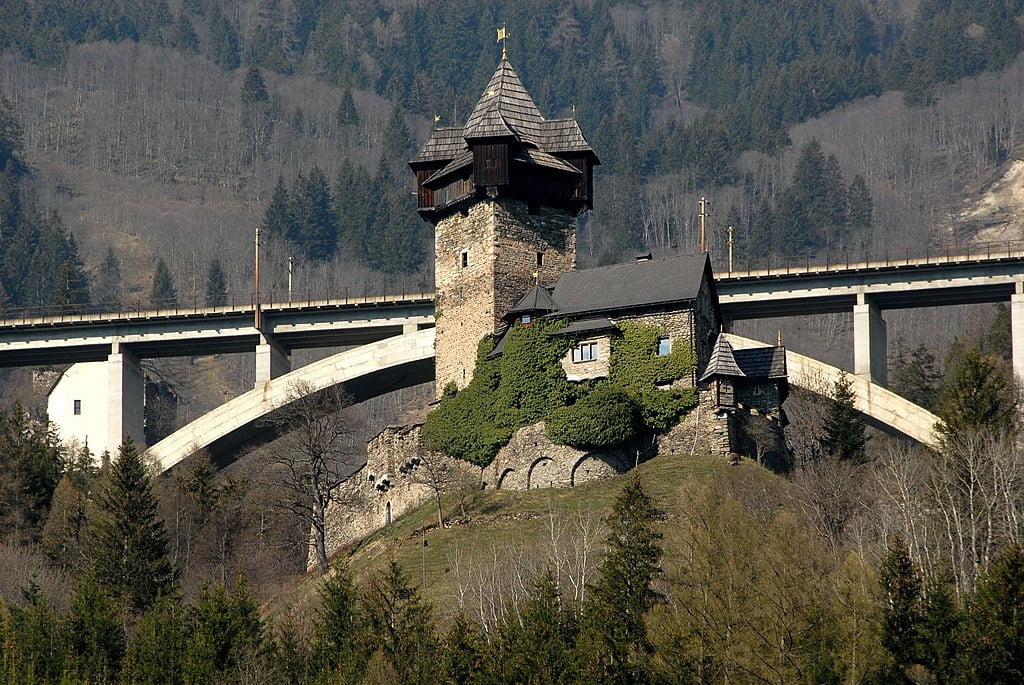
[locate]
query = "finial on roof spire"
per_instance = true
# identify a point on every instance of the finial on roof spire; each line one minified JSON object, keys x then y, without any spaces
{"x":503,"y":39}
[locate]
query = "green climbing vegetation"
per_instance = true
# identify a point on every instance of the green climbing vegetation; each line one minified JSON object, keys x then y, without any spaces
{"x":527,"y":384}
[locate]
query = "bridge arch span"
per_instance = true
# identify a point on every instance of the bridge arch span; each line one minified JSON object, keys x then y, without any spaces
{"x":366,"y":371}
{"x":881,"y":408}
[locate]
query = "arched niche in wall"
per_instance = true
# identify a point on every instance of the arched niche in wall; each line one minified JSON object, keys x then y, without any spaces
{"x":542,"y":474}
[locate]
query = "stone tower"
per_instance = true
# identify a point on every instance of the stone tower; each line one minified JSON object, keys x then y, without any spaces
{"x":503,"y":193}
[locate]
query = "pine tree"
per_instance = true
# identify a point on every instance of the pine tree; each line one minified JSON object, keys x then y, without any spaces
{"x":397,"y":142}
{"x":979,"y":395}
{"x":63,"y":537}
{"x":279,"y":219}
{"x":316,"y":230}
{"x":346,"y":114}
{"x":861,"y":206}
{"x":335,"y":633}
{"x":463,"y":652}
{"x":901,"y":615}
{"x":216,"y":285}
{"x":226,"y":634}
{"x":223,"y":39}
{"x":107,"y":282}
{"x":184,"y":36}
{"x":537,"y":643}
{"x":163,"y":294}
{"x":30,"y":468}
{"x":995,"y":642}
{"x":843,"y":426}
{"x":95,"y":633}
{"x":36,"y":643}
{"x":156,"y":654}
{"x":940,"y":628}
{"x":915,"y":376}
{"x":397,"y":629}
{"x":71,"y":290}
{"x":130,"y":547}
{"x":615,"y":642}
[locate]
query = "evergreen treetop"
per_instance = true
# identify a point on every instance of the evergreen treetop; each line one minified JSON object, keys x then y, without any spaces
{"x":843,"y":428}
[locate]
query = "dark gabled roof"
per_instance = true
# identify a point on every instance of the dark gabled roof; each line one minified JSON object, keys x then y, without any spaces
{"x":460,"y":162}
{"x":506,"y":110}
{"x":444,"y":144}
{"x":538,"y":299}
{"x":630,"y":286}
{"x":762,"y":362}
{"x":722,"y":361}
{"x":545,"y":160}
{"x":586,"y":326}
{"x":754,"y":363}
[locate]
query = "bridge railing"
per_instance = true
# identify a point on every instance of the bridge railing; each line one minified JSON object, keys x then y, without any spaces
{"x":98,"y":311}
{"x":952,"y":253}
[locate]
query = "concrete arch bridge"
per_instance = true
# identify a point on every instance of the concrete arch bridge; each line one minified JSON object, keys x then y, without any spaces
{"x":407,"y":360}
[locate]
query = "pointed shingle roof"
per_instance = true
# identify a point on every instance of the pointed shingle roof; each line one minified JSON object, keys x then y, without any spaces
{"x":722,"y":361}
{"x":538,"y":299}
{"x":506,"y":110}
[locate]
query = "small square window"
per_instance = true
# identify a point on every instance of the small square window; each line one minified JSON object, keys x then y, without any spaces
{"x":525,"y":319}
{"x":664,"y":347}
{"x":464,"y":259}
{"x":540,"y":259}
{"x":78,"y":407}
{"x":585,"y":352}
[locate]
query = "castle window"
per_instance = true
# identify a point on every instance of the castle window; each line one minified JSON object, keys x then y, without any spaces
{"x":664,"y":347}
{"x":585,"y":352}
{"x":78,"y":408}
{"x":540,"y":259}
{"x":525,"y":319}
{"x":464,"y":259}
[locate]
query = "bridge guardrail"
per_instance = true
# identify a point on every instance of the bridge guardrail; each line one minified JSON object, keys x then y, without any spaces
{"x":846,"y":260}
{"x":272,"y":300}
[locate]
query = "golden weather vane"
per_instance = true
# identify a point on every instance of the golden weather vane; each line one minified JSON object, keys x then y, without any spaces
{"x":503,"y":39}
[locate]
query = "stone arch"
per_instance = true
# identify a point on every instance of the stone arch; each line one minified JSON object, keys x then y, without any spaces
{"x":503,"y":479}
{"x":541,"y":474}
{"x":387,"y":513}
{"x":595,"y":466}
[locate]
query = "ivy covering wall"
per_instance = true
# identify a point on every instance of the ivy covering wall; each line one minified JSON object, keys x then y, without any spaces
{"x":527,"y":384}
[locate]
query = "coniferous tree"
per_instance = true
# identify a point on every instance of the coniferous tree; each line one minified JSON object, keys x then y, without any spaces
{"x":36,"y":645}
{"x":223,"y":39}
{"x":979,"y":395}
{"x":157,"y":650}
{"x":463,"y":652}
{"x":279,"y":219}
{"x":316,"y":231}
{"x":915,"y":376}
{"x":995,"y":639}
{"x":537,"y":642}
{"x":861,"y":207}
{"x":335,"y":635}
{"x":95,"y":633}
{"x":940,"y":628}
{"x":843,"y":426}
{"x":107,"y":282}
{"x":346,"y":114}
{"x":615,"y":643}
{"x":30,"y":468}
{"x":63,"y":536}
{"x":226,"y":634}
{"x":257,"y":118}
{"x":130,"y":546}
{"x":353,"y":210}
{"x":397,"y":142}
{"x":183,"y":36}
{"x":901,"y":615}
{"x":397,"y":630}
{"x":71,"y":290}
{"x":216,"y":285}
{"x":163,"y":294}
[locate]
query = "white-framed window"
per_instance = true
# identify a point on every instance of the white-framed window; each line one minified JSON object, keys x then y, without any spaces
{"x":525,"y":319}
{"x":585,"y":352}
{"x":664,"y":347}
{"x":77,"y":407}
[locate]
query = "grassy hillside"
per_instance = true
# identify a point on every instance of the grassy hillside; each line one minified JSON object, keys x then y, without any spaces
{"x":506,"y":538}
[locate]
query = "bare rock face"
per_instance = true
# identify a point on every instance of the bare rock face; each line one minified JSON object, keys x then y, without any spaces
{"x":997,"y":214}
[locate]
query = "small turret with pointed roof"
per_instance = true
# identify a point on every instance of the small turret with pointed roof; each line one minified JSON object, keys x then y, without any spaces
{"x":503,"y":192}
{"x":505,"y":148}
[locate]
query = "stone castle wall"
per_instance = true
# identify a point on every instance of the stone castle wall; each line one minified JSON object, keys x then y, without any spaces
{"x":498,"y":240}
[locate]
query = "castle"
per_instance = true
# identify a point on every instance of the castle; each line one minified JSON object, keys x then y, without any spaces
{"x":503,"y":193}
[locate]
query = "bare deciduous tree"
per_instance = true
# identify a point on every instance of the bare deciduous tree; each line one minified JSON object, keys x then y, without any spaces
{"x":318,"y":451}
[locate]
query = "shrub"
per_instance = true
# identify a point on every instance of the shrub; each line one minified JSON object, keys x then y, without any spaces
{"x":604,"y":418}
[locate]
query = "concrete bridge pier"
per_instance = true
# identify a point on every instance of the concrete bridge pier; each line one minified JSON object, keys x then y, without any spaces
{"x":870,"y":342}
{"x":126,"y":388}
{"x":272,"y":360}
{"x":1017,"y":330}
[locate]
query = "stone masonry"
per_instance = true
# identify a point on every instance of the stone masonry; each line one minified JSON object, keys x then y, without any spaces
{"x":485,"y":258}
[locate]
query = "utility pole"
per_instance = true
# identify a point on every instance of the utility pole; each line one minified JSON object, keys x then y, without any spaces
{"x":703,"y":216}
{"x":729,"y":231}
{"x":256,"y":296}
{"x":289,"y":280}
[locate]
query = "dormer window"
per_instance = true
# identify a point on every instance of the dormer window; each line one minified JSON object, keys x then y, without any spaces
{"x":585,"y":352}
